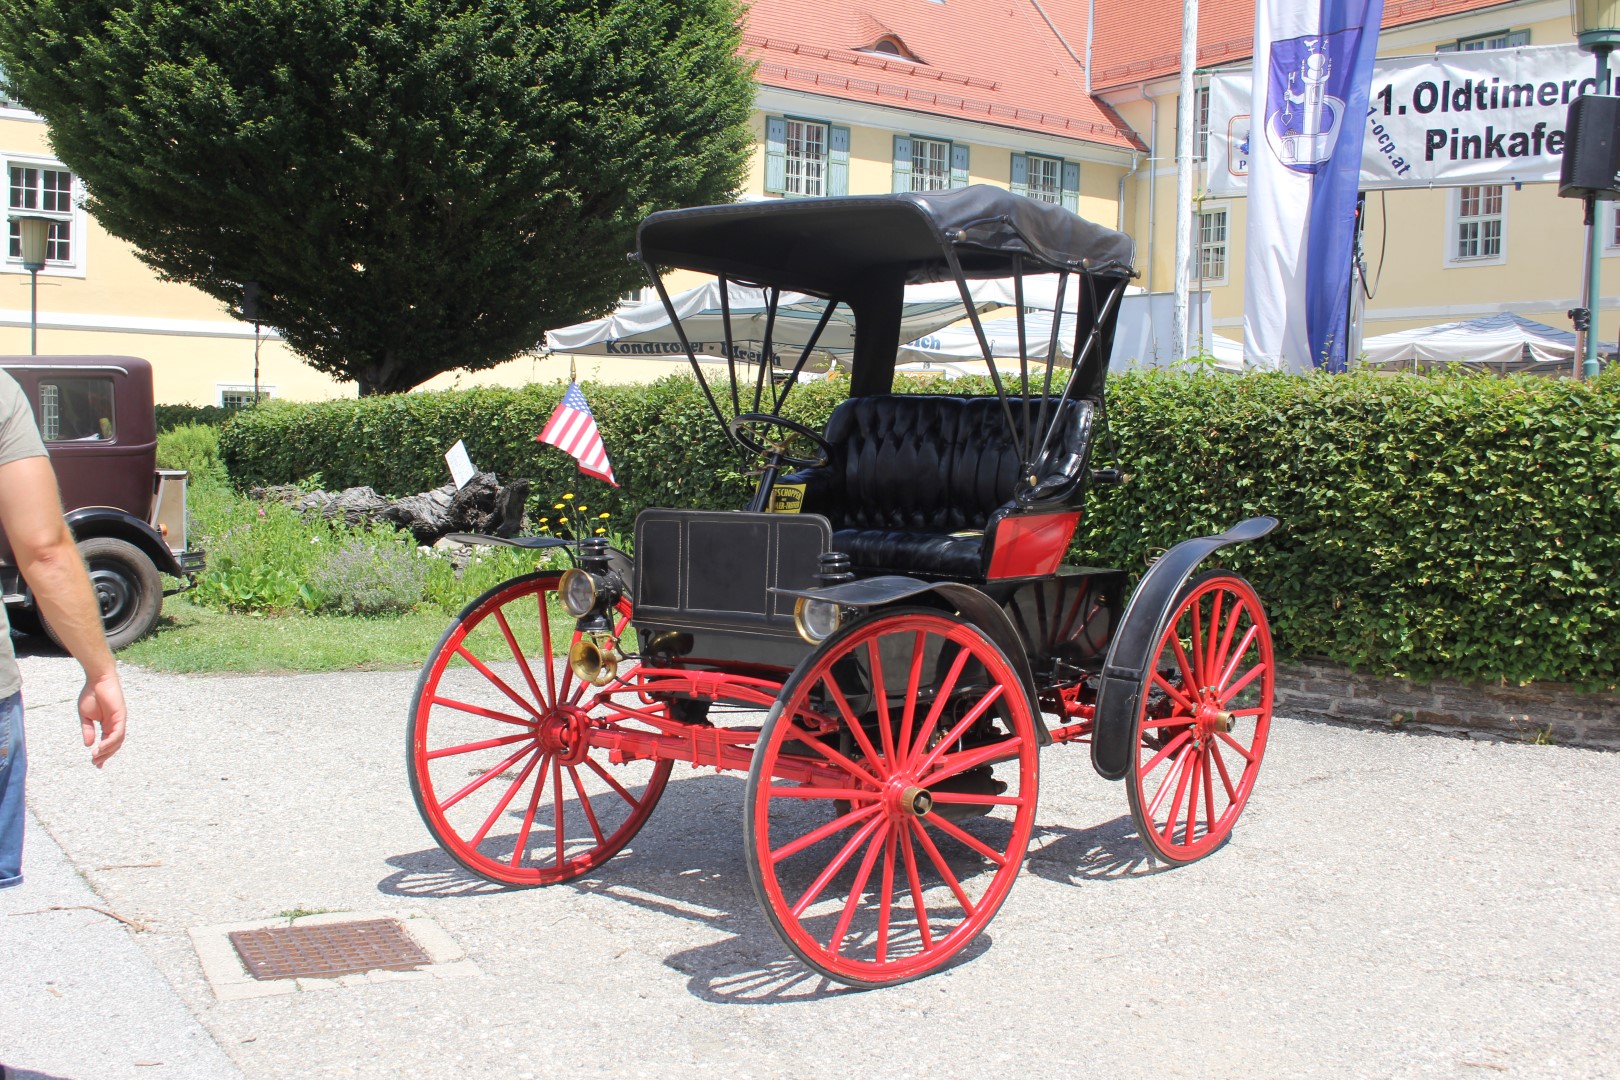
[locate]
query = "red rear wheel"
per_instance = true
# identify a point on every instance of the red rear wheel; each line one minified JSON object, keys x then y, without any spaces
{"x":498,"y":756}
{"x":1206,"y":712}
{"x":891,"y":797}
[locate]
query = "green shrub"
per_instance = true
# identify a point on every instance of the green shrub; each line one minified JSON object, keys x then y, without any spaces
{"x":364,"y":577}
{"x":195,"y":448}
{"x":1433,"y":526}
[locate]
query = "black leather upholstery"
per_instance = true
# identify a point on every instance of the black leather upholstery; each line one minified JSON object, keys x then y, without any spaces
{"x":909,"y":470}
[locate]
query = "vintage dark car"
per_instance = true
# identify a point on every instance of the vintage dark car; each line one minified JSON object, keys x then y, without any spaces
{"x":128,"y":516}
{"x":886,"y":650}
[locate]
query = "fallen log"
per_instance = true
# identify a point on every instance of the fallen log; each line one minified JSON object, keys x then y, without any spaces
{"x":483,"y":505}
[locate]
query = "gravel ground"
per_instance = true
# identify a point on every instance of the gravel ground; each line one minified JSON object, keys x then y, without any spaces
{"x":1390,"y":905}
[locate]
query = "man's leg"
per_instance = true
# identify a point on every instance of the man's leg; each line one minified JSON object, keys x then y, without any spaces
{"x":13,"y":767}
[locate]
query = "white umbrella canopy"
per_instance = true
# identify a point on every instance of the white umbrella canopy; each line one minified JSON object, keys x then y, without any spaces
{"x":1133,"y":337}
{"x":1500,"y":343}
{"x":644,"y":330}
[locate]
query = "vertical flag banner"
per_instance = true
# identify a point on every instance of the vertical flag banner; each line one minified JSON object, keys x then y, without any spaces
{"x":1312,"y":69}
{"x":572,"y":429}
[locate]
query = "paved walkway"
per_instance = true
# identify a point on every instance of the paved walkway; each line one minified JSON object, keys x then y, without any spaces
{"x":1391,"y":905}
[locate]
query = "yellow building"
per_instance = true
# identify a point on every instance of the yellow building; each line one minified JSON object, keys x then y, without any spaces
{"x":1074,"y":101}
{"x":1448,"y":253}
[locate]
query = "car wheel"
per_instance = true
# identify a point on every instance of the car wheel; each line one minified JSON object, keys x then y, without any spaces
{"x":127,"y":587}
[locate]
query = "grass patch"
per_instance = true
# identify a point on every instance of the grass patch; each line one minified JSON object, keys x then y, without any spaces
{"x":196,"y":640}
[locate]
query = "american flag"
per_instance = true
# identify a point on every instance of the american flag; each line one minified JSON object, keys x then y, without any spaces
{"x":572,"y":429}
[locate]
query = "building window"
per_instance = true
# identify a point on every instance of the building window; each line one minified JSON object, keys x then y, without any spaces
{"x":1045,"y":179}
{"x":930,"y":165}
{"x":1500,"y":39}
{"x":6,"y":100}
{"x":240,"y":397}
{"x":1201,"y":131}
{"x":1212,"y":231}
{"x":923,"y":164}
{"x":1048,"y":179}
{"x":1478,"y":228}
{"x":805,"y":158}
{"x":42,"y":190}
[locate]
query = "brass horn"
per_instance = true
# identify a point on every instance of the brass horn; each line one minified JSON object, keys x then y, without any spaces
{"x":593,"y":662}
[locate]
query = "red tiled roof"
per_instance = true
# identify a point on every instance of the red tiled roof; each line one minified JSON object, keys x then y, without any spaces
{"x":1141,"y":39}
{"x":990,"y":61}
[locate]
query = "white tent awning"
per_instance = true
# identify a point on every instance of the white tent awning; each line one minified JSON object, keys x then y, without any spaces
{"x":1503,"y":342}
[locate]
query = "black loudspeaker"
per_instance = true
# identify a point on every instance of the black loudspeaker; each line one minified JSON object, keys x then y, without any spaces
{"x":1591,"y":164}
{"x":251,"y":294}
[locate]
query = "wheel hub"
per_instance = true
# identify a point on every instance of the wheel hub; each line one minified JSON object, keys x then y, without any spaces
{"x":565,"y":732}
{"x":1211,"y":715}
{"x":916,"y":801}
{"x":112,"y":593}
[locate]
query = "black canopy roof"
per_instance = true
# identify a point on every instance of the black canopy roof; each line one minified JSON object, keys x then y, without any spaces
{"x":824,"y":245}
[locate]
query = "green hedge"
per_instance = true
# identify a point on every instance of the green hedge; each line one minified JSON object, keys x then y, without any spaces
{"x":170,"y":417}
{"x":1432,"y":526}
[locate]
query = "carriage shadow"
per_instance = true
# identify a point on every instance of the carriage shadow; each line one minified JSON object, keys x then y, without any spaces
{"x":1110,"y":851}
{"x":673,"y":868}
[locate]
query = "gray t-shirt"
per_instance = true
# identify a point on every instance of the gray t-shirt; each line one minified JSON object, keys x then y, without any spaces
{"x":19,"y":438}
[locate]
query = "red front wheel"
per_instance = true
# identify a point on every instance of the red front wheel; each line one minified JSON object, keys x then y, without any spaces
{"x":499,"y":758}
{"x":1206,"y":711}
{"x":891,"y":797}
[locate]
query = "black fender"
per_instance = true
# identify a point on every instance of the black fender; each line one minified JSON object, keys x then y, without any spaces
{"x":970,"y":603}
{"x":1119,"y":694}
{"x":91,"y":521}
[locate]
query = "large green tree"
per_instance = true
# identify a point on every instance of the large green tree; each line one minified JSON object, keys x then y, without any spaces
{"x":417,"y":186}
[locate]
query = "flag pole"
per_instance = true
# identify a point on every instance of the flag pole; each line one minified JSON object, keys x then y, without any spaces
{"x":1187,"y":121}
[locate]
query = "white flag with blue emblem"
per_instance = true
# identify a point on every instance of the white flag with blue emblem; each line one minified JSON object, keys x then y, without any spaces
{"x":1312,"y":69}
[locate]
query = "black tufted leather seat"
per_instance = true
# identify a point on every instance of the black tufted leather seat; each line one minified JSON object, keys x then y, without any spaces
{"x":908,"y":471}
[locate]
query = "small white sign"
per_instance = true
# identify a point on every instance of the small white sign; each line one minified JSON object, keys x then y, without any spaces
{"x":461,"y":466}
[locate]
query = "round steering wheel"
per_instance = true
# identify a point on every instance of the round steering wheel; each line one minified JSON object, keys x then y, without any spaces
{"x":741,"y":429}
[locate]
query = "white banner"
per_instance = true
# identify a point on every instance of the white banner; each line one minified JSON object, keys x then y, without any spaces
{"x":1317,"y":60}
{"x":1491,"y":116}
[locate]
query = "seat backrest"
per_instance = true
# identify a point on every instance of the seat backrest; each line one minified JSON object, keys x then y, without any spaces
{"x":924,"y":462}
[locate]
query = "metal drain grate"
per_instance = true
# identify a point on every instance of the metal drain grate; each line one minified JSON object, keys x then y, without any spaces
{"x":325,"y":952}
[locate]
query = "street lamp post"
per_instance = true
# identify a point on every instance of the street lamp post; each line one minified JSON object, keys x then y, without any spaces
{"x":34,"y":231}
{"x":1597,"y":28}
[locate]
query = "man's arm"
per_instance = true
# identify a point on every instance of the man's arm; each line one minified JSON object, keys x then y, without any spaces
{"x":31,"y":514}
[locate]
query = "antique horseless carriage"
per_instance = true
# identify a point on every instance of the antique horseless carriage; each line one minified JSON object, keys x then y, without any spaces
{"x":893,"y":604}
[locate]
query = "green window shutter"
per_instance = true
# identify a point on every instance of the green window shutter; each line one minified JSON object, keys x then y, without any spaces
{"x":1517,"y":38}
{"x":837,"y":161}
{"x":1071,"y":186}
{"x":775,"y":155}
{"x":902,"y":163}
{"x":959,"y":165}
{"x":1020,"y":175}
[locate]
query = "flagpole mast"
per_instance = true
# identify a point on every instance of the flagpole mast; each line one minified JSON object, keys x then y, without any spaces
{"x":1187,"y":120}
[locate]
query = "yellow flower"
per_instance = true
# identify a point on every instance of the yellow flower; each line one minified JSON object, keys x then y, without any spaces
{"x":603,"y":517}
{"x":601,"y":532}
{"x":570,"y":495}
{"x":559,"y":506}
{"x":584,"y":509}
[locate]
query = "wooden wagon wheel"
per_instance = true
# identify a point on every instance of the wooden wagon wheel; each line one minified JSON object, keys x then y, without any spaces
{"x":499,"y":764}
{"x":1205,"y":715}
{"x":907,"y":843}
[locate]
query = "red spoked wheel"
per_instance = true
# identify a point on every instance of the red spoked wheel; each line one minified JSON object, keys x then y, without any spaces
{"x":891,"y":797}
{"x":498,"y":755}
{"x":1206,"y":711}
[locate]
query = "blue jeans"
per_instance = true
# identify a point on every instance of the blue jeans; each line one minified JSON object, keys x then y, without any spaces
{"x":13,"y":767}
